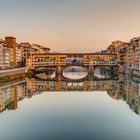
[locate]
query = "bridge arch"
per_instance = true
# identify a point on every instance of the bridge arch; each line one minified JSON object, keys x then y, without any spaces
{"x":45,"y":73}
{"x":74,"y":72}
{"x":105,"y":71}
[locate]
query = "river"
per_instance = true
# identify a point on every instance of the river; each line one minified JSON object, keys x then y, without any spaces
{"x":34,"y":109}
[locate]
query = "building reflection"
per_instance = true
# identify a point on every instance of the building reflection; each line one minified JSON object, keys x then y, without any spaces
{"x":129,"y":92}
{"x":125,"y":90}
{"x":10,"y":95}
{"x":38,"y":85}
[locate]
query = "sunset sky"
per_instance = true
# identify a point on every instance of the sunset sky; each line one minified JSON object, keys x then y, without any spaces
{"x":70,"y":25}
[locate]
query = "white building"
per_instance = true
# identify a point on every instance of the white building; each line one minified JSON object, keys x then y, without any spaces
{"x":128,"y":56}
{"x":18,"y":55}
{"x":4,"y":55}
{"x":135,"y":54}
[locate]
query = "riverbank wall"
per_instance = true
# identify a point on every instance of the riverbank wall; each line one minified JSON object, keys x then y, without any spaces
{"x":12,"y":74}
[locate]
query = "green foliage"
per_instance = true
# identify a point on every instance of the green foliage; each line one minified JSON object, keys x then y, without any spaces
{"x":40,"y":70}
{"x":6,"y":78}
{"x":105,"y":70}
{"x":30,"y":73}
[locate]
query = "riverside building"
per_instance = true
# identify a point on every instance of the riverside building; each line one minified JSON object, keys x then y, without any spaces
{"x":29,"y":49}
{"x":4,"y":55}
{"x":128,"y":56}
{"x":13,"y":55}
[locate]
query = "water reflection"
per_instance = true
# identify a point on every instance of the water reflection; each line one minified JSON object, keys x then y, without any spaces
{"x":75,"y":72}
{"x":103,"y":72}
{"x":12,"y":93}
{"x":45,"y":76}
{"x":67,"y":109}
{"x":75,"y":75}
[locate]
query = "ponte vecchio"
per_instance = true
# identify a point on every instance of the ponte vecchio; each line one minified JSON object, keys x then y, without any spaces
{"x":59,"y":61}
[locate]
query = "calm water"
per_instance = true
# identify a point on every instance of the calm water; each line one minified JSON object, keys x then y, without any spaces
{"x":32,"y":109}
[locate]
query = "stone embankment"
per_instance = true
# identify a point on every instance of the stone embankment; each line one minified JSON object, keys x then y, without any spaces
{"x":12,"y":74}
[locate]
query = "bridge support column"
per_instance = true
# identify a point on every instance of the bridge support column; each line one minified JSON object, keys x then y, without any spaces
{"x":90,"y":77}
{"x":59,"y":73}
{"x":58,"y":77}
{"x":59,"y":70}
{"x":121,"y":69}
{"x":90,"y":69}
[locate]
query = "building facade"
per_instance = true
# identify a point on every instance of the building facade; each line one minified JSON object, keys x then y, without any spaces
{"x":29,"y":49}
{"x":114,"y":46}
{"x":4,"y":55}
{"x":13,"y":55}
{"x":134,"y":54}
{"x":11,"y":44}
{"x":128,"y":56}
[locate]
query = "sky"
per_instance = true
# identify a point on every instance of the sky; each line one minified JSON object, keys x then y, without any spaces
{"x":70,"y":25}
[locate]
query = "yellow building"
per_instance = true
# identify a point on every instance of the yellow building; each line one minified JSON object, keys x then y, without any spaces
{"x":113,"y":47}
{"x":29,"y":49}
{"x":100,"y":59}
{"x":40,"y":60}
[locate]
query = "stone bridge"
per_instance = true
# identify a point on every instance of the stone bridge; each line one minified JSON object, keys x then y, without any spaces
{"x":59,"y":61}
